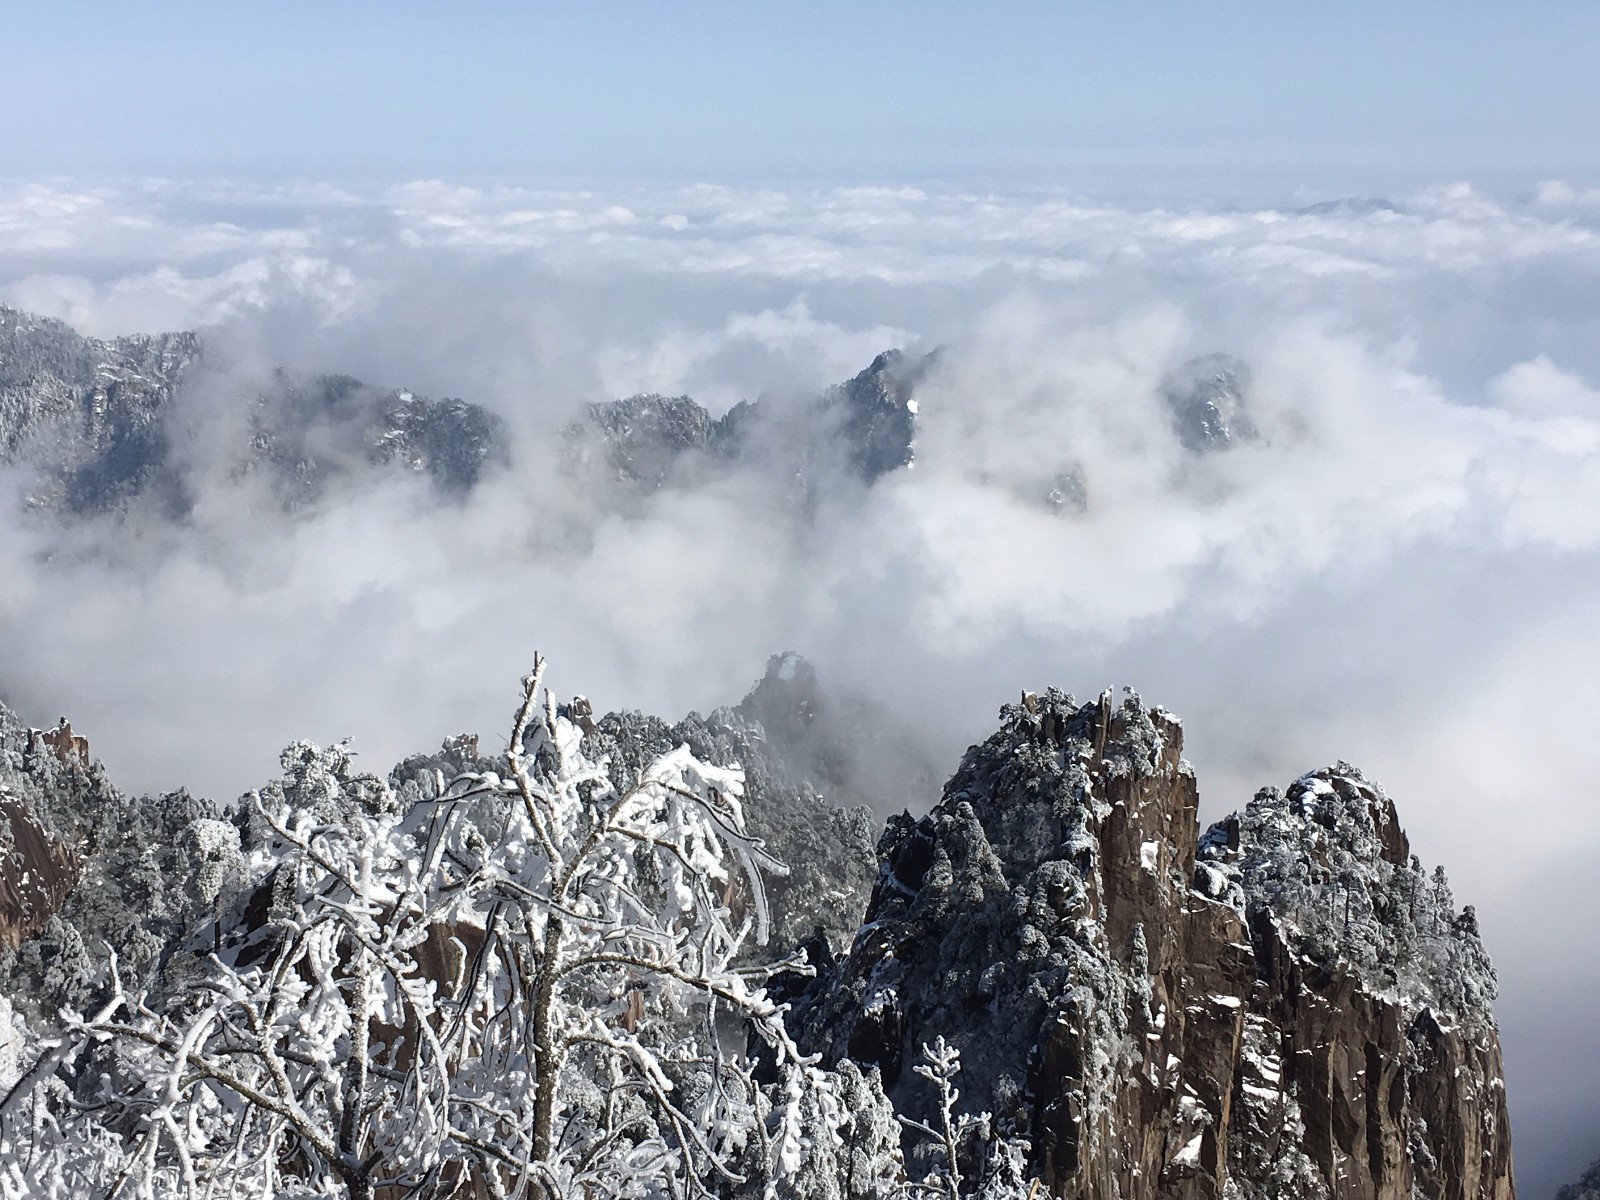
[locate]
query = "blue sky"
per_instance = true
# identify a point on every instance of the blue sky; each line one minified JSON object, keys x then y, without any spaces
{"x":1355,"y":96}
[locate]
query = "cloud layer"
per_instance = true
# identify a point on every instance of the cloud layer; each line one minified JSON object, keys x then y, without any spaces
{"x":1402,"y":571}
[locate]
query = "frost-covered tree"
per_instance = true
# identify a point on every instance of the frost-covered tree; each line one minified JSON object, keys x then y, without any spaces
{"x":526,"y":983}
{"x":942,"y":1065}
{"x":1000,"y":1164}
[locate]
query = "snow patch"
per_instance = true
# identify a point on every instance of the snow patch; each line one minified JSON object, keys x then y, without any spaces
{"x":1189,"y":1156}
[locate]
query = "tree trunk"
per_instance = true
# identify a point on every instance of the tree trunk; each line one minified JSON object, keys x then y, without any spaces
{"x":546,"y":1054}
{"x":358,"y":1184}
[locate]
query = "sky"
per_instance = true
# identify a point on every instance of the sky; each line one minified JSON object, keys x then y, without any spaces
{"x":1390,"y":213}
{"x":1139,"y":95}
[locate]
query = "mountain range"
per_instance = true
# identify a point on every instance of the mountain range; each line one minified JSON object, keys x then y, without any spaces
{"x":95,"y":426}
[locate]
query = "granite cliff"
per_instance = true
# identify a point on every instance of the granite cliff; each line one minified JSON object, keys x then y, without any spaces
{"x":1286,"y":1006}
{"x":89,"y":415}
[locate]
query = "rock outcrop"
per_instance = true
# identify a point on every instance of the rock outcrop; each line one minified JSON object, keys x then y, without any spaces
{"x":860,"y":431}
{"x":856,"y":750}
{"x":637,"y":442}
{"x":875,"y":414}
{"x":85,"y":867}
{"x":310,"y":434}
{"x":1285,"y":1007}
{"x":1373,"y":996}
{"x":825,"y":841}
{"x":36,"y":873}
{"x":1206,"y":397}
{"x":97,"y":423}
{"x":89,"y":414}
{"x":1288,"y":1007}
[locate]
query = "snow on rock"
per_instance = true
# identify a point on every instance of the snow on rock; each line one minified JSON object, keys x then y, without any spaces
{"x":826,"y":845}
{"x":1206,"y":397}
{"x":89,"y":414}
{"x":1016,"y":920}
{"x":101,"y":869}
{"x":1377,"y":987}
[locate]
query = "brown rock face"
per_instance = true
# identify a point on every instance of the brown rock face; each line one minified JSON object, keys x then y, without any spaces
{"x":1161,"y":1124}
{"x":35,"y":875}
{"x":1377,"y":1100}
{"x":1286,"y":1007}
{"x":1371,"y":1005}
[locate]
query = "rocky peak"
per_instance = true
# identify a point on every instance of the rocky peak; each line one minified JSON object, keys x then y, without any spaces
{"x":826,"y":845}
{"x":639,"y":439}
{"x":1206,"y":397}
{"x":1326,"y":867}
{"x":94,"y":424}
{"x":816,"y":762}
{"x":1143,"y":1012}
{"x":1287,"y":1006}
{"x":96,"y":420}
{"x":876,"y":414}
{"x":859,"y":430}
{"x":1038,"y":918}
{"x":311,"y":433}
{"x":88,"y":413}
{"x":851,"y":747}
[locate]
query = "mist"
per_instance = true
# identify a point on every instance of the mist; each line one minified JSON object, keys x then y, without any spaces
{"x":1402,"y":571}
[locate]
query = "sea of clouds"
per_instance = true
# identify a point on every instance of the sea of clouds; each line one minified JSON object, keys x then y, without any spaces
{"x":1404,"y":571}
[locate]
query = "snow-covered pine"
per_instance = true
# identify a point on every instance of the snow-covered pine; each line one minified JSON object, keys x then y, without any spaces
{"x":526,"y":984}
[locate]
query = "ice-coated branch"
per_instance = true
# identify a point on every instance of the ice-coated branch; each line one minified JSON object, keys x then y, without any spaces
{"x":518,"y":988}
{"x":940,"y":1066}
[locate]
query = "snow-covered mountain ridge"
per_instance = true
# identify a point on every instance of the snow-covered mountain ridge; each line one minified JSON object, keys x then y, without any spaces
{"x":1285,"y":1005}
{"x":92,"y":426}
{"x":89,"y":414}
{"x":99,"y":426}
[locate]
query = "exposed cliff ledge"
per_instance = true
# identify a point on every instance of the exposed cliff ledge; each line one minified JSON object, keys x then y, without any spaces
{"x":1288,"y":1007}
{"x":87,"y":867}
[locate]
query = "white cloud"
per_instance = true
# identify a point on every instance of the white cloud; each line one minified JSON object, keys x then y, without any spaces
{"x":1557,"y":194}
{"x":1540,"y":388}
{"x":788,"y":343}
{"x":1400,"y":572}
